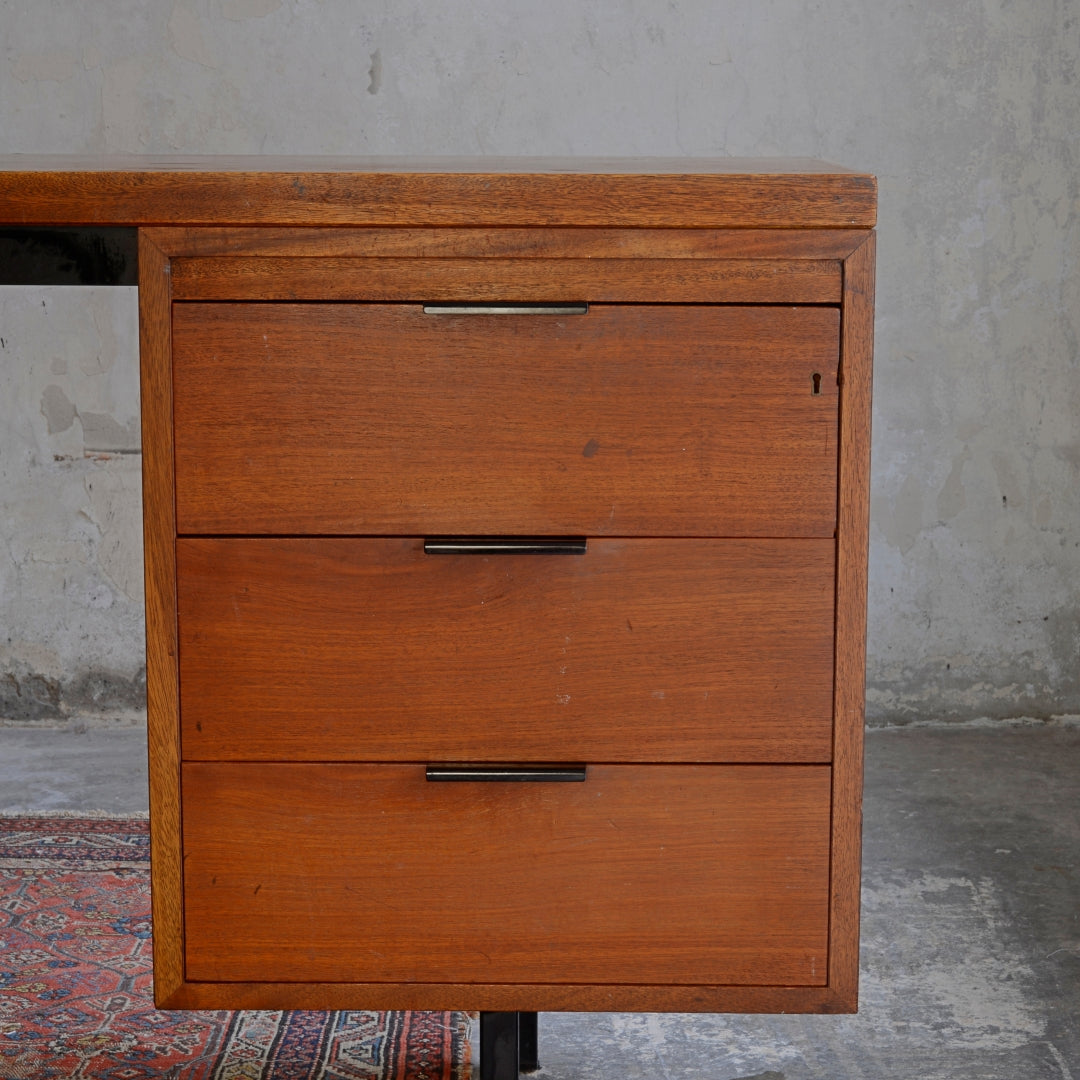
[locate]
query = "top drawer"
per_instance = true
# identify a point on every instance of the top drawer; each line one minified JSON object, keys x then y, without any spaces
{"x":632,"y":419}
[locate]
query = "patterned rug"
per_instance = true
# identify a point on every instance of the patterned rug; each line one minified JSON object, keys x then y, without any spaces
{"x":75,"y":983}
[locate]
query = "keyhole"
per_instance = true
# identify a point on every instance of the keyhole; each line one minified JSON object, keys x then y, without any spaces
{"x":816,"y":377}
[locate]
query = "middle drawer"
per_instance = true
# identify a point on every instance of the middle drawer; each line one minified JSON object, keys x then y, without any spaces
{"x":324,"y":649}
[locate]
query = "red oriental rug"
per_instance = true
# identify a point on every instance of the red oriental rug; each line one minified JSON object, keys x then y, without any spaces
{"x":75,"y":983}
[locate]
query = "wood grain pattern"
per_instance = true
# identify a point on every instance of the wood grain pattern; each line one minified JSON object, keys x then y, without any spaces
{"x":639,"y":650}
{"x":852,"y":556}
{"x":159,"y":530}
{"x":506,"y":242}
{"x":653,"y":420}
{"x":526,"y":230}
{"x":688,"y":281}
{"x":676,"y":874}
{"x":507,"y":997}
{"x":480,"y":191}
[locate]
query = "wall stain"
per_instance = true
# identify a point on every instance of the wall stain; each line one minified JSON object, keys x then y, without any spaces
{"x":58,"y":411}
{"x":45,"y":67}
{"x":32,"y":696}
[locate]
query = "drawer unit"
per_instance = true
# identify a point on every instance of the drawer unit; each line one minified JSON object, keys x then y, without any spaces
{"x":506,"y":599}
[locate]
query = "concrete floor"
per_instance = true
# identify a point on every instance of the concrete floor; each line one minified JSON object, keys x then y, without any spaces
{"x":971,"y":917}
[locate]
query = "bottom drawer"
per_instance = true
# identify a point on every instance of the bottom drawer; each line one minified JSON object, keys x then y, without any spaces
{"x":657,"y":874}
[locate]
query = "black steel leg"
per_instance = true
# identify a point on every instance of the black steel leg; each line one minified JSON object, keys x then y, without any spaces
{"x":499,"y":1046}
{"x":528,"y":1042}
{"x":508,"y":1045}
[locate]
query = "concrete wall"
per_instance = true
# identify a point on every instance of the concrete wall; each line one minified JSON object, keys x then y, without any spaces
{"x":968,"y":111}
{"x":71,"y":623}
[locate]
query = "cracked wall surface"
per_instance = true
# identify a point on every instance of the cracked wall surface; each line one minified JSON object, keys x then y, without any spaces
{"x":968,"y":112}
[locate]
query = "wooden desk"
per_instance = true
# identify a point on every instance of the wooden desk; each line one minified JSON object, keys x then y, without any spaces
{"x":506,"y":540}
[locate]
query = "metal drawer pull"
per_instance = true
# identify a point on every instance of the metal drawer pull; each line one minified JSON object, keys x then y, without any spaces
{"x":506,"y":309}
{"x":505,"y":545}
{"x":507,"y":774}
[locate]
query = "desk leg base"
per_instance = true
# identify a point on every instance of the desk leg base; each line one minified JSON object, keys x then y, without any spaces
{"x":528,"y":1042}
{"x":508,"y":1045}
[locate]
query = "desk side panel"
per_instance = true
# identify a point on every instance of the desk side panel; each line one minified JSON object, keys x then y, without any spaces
{"x":162,"y":695}
{"x":853,"y":515}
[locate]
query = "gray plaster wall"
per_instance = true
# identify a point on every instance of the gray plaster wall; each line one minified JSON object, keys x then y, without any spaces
{"x":71,"y":589}
{"x":968,"y":111}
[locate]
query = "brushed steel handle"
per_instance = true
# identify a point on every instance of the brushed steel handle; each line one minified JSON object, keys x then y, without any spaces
{"x":505,"y":545}
{"x":506,"y":309}
{"x":507,"y":774}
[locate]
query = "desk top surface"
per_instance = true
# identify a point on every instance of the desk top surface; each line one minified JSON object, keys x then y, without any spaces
{"x":598,"y":192}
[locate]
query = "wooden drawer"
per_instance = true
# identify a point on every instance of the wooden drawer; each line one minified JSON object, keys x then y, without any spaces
{"x":638,"y":650}
{"x":637,"y":419}
{"x":659,"y":874}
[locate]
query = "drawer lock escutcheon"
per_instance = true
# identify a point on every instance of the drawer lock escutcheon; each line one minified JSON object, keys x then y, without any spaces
{"x":507,"y":774}
{"x":503,"y":545}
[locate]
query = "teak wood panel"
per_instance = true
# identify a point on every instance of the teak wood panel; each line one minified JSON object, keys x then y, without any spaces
{"x":509,"y":997}
{"x":162,"y":702}
{"x":675,"y":874}
{"x":638,"y":650}
{"x":504,"y":243}
{"x":495,"y":280}
{"x":276,"y":191}
{"x":853,"y":528}
{"x":632,"y":419}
